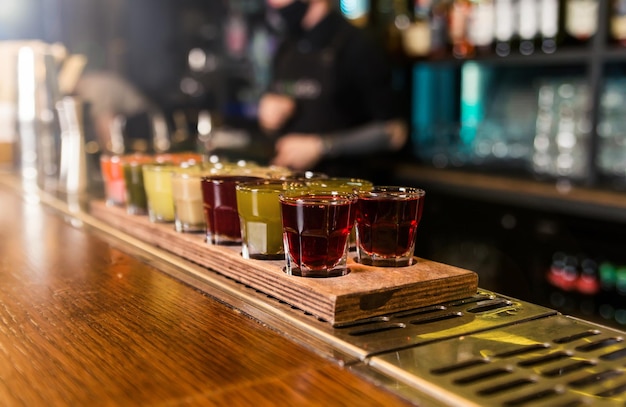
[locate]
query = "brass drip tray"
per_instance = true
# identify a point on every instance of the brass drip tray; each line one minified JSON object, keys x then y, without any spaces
{"x":483,"y":311}
{"x":551,"y":361}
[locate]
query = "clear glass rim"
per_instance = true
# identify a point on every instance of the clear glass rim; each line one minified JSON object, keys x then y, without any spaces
{"x":271,"y":186}
{"x":341,"y":181}
{"x":318,"y":198}
{"x":393,"y":191}
{"x":221,"y":178}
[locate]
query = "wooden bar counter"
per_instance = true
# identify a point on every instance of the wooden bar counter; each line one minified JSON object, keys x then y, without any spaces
{"x":85,"y":323}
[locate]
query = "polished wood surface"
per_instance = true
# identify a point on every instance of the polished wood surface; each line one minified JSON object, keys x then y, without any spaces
{"x":365,"y":292}
{"x":84,"y":323}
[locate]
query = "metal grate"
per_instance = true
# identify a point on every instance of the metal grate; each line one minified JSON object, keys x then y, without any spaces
{"x":484,"y":311}
{"x":552,"y":361}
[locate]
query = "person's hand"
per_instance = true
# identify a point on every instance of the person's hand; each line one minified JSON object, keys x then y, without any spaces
{"x":298,"y":151}
{"x":274,"y":111}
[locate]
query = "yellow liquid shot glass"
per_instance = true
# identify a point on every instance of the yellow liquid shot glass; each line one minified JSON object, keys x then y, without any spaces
{"x":157,"y":180}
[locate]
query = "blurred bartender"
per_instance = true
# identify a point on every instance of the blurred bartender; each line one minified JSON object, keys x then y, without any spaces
{"x":330,"y":101}
{"x":113,"y":98}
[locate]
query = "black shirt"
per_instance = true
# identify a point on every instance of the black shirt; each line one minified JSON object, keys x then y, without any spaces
{"x":338,"y":75}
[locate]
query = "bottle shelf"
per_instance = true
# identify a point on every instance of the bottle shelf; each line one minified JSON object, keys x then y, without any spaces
{"x":556,"y":196}
{"x":570,"y":55}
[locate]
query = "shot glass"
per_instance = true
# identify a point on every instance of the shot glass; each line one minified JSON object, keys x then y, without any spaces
{"x":305,"y":175}
{"x":258,"y":206}
{"x":136,"y":200}
{"x":240,"y":168}
{"x":387,"y":218}
{"x":219,"y":200}
{"x":187,"y":197}
{"x":157,"y":180}
{"x":158,"y":185}
{"x":276,"y":172}
{"x":349,"y":185}
{"x":113,"y":177}
{"x":316,"y":230}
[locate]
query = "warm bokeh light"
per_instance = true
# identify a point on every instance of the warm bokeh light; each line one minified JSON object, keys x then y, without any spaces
{"x":18,"y":19}
{"x":10,"y":9}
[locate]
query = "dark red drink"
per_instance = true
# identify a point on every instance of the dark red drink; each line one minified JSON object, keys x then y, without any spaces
{"x":386,"y":224}
{"x":316,"y":228}
{"x":219,"y":196}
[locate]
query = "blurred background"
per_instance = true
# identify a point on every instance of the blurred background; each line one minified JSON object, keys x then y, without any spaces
{"x":516,"y":110}
{"x":148,"y":42}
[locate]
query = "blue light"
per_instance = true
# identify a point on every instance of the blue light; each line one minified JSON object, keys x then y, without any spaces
{"x":353,"y":9}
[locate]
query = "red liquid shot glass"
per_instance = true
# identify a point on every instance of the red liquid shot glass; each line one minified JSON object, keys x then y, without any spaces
{"x":316,"y":230}
{"x":113,"y":176}
{"x":219,"y":199}
{"x":387,"y":218}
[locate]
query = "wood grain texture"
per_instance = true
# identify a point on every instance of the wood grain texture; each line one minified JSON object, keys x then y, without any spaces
{"x":365,"y":292}
{"x":84,"y":324}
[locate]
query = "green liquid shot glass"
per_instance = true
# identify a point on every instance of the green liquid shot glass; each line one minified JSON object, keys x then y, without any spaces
{"x":134,"y":191}
{"x":259,"y":211}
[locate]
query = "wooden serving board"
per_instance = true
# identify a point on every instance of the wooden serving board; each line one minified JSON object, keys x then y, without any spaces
{"x":365,"y":292}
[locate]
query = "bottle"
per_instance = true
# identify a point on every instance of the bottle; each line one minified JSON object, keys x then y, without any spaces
{"x":570,"y":278}
{"x":581,"y":19}
{"x":236,"y":35}
{"x":205,"y":133}
{"x":554,"y":278}
{"x":504,"y":26}
{"x":587,"y":286}
{"x":397,"y":25}
{"x":607,"y":295}
{"x":620,"y":301}
{"x":416,"y":36}
{"x":438,"y":28}
{"x":562,"y":276}
{"x":382,"y":24}
{"x":549,"y":25}
{"x":481,"y":25}
{"x":416,"y":39}
{"x":458,"y":18}
{"x":378,"y":20}
{"x":527,"y":25}
{"x":618,"y":22}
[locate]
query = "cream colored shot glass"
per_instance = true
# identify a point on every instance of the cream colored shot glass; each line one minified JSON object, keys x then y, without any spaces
{"x":188,"y":206}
